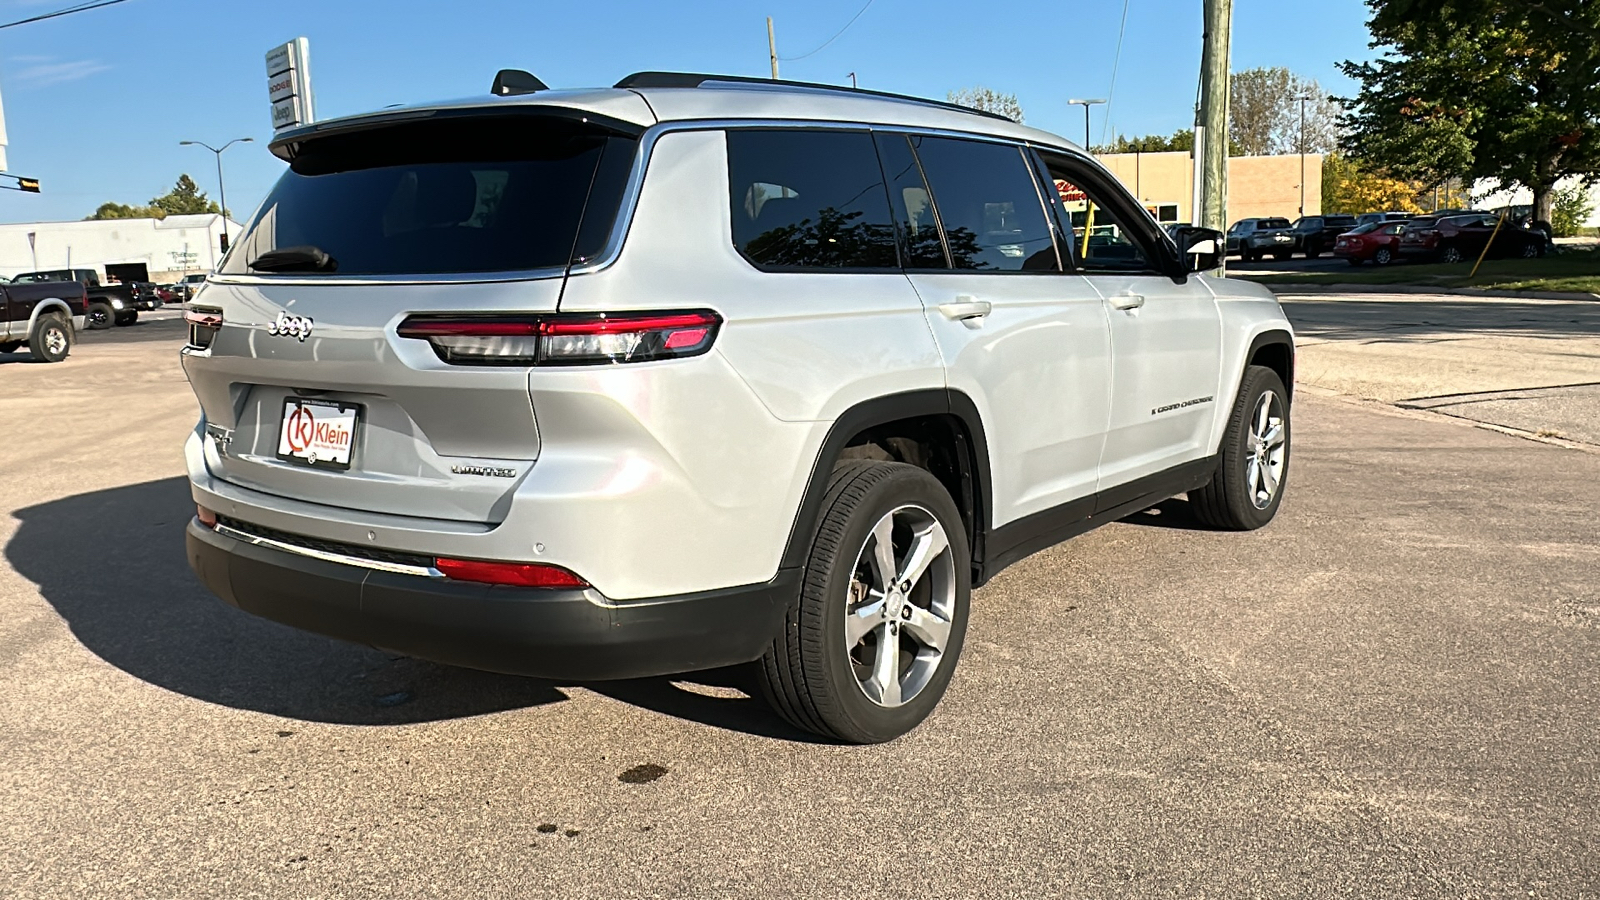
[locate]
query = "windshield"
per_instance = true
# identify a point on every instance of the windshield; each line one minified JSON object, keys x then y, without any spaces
{"x":1273,"y":223}
{"x":438,"y":197}
{"x":1364,"y":228}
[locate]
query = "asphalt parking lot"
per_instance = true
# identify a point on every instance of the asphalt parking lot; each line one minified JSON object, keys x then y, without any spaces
{"x":1391,"y":691}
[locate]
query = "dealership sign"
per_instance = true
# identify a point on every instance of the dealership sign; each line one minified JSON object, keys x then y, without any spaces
{"x":289,"y":84}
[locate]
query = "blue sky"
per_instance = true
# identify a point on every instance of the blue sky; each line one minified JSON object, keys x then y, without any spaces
{"x":96,"y":103}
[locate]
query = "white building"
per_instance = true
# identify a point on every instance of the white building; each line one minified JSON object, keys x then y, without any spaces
{"x":1486,"y":197}
{"x":159,"y":250}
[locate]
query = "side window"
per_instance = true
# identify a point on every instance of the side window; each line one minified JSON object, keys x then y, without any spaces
{"x":1100,"y":240}
{"x":809,"y":200}
{"x":988,"y":201}
{"x":913,"y":205}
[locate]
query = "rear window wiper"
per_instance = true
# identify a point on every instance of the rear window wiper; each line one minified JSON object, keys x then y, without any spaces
{"x":295,"y":259}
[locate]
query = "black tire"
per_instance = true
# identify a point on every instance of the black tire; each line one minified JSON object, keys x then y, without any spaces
{"x":1353,"y":261}
{"x":810,"y":675}
{"x":1450,"y":254}
{"x":1230,"y":501}
{"x":1383,"y":257}
{"x":51,"y":340}
{"x":101,"y":316}
{"x":127,"y":317}
{"x":1313,"y":251}
{"x":1281,"y":256}
{"x":1248,"y":256}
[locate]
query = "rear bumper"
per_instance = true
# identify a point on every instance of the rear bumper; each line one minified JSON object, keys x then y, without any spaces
{"x":566,"y":634}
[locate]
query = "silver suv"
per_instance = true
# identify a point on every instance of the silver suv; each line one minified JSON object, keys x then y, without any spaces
{"x":696,"y":371}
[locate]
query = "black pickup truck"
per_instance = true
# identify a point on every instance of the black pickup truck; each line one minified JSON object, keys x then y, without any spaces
{"x":1316,"y":235}
{"x":44,"y":317}
{"x":109,"y":304}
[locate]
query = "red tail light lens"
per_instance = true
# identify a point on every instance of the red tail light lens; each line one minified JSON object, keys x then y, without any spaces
{"x":517,"y":574}
{"x":565,"y":340}
{"x":203,"y":326}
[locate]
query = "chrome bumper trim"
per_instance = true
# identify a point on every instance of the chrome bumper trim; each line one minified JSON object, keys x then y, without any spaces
{"x":325,"y":556}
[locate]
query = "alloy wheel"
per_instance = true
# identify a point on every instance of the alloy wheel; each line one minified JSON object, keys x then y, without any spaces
{"x":55,"y":341}
{"x":1267,"y":446}
{"x":901,"y":606}
{"x":1383,"y":256}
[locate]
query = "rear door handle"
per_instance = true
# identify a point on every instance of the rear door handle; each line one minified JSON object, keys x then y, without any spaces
{"x":965,"y":308}
{"x":1127,"y":300}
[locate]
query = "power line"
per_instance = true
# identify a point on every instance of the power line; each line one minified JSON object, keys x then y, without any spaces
{"x":80,"y":7}
{"x":1116,"y":61}
{"x":829,"y":40}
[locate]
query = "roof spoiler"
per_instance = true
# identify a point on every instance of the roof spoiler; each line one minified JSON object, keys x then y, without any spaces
{"x":510,"y":82}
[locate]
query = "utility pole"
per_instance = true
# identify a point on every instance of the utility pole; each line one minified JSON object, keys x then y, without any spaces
{"x":1211,"y":120}
{"x":222,"y":191}
{"x":772,"y":49}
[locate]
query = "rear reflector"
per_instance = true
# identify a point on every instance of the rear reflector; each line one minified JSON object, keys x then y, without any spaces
{"x":518,"y":574}
{"x":565,"y":340}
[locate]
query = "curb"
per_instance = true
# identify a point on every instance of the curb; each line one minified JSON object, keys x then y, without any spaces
{"x":1279,"y":288}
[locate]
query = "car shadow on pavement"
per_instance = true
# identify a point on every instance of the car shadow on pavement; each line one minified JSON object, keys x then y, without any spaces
{"x":113,"y":565}
{"x":1173,"y":513}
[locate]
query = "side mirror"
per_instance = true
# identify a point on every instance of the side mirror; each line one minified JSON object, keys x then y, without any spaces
{"x":1201,"y":248}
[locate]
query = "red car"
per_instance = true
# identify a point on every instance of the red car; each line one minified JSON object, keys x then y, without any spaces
{"x":1377,"y":241}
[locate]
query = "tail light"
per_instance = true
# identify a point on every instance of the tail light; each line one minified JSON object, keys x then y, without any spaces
{"x":565,"y":340}
{"x":203,"y":326}
{"x":517,"y":574}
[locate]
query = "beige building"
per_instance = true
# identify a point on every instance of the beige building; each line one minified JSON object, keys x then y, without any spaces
{"x":1257,"y":185}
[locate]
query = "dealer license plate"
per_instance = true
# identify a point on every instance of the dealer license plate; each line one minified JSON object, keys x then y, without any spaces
{"x":318,"y":433}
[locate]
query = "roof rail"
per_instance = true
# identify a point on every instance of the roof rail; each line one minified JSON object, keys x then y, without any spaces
{"x":694,"y":80}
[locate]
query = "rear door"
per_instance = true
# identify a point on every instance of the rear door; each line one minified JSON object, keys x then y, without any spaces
{"x":476,"y":215}
{"x":1166,"y":336}
{"x":1025,"y":341}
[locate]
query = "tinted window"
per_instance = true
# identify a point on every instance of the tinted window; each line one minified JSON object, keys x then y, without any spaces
{"x":809,"y":200}
{"x":988,"y":202}
{"x":1273,"y":223}
{"x":1365,"y":228}
{"x":913,"y":209}
{"x":1341,"y":221}
{"x":1100,"y":239}
{"x":474,"y":195}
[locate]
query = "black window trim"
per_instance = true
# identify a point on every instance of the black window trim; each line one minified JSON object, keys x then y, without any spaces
{"x":1160,"y":253}
{"x":933,"y":203}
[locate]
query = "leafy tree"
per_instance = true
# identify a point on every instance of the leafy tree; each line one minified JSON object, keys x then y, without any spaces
{"x":1264,"y":113}
{"x":185,"y":199}
{"x":1181,"y":140}
{"x":1348,"y":187}
{"x":989,"y":101}
{"x":1481,"y":89}
{"x":124,"y":211}
{"x":1570,"y":208}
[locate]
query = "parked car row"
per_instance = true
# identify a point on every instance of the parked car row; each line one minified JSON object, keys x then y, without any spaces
{"x":115,"y":302}
{"x":1449,"y":236}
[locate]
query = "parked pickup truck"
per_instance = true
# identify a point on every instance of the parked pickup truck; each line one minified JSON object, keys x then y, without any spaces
{"x":109,"y":304}
{"x":44,"y":317}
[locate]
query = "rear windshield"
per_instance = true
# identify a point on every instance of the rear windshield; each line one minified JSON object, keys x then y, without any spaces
{"x":1273,"y":223}
{"x":1339,"y":221}
{"x":447,"y":196}
{"x":1364,"y":229}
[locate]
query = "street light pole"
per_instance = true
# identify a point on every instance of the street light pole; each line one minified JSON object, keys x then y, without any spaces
{"x":222,"y":190}
{"x":1085,"y":104}
{"x":1303,"y":98}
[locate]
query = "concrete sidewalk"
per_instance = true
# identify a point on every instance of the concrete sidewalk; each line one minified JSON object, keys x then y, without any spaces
{"x":1524,"y":364}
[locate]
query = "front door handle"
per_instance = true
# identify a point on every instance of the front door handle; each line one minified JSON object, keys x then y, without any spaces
{"x":1127,"y":300}
{"x":966,"y":308}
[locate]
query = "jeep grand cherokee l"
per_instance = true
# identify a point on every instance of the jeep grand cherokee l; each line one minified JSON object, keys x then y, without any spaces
{"x":692,"y":372}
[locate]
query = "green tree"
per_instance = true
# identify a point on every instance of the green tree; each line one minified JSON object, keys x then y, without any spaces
{"x":1481,"y":89}
{"x":123,"y":211}
{"x":1181,"y":140}
{"x":1570,"y":208}
{"x":185,"y":199}
{"x":989,"y":101}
